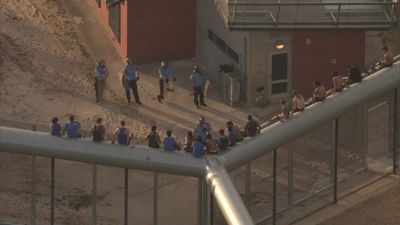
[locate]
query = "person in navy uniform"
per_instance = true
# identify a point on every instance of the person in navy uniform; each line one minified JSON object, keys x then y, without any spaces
{"x":100,"y":78}
{"x":165,"y":73}
{"x":198,"y":82}
{"x":129,"y":80}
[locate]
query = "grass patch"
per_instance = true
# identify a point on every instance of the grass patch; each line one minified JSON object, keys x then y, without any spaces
{"x":84,"y":201}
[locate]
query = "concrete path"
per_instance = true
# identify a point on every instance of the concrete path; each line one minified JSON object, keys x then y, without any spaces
{"x":376,"y":204}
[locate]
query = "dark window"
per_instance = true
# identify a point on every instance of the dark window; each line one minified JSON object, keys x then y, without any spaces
{"x":210,"y":35}
{"x":220,"y":43}
{"x":279,"y":88}
{"x":98,"y":3}
{"x":279,"y":67}
{"x":231,"y":53}
{"x":114,"y":20}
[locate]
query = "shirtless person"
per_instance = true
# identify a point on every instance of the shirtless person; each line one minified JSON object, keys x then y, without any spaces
{"x":284,"y":115}
{"x":386,"y":60}
{"x":298,"y":102}
{"x":319,"y":93}
{"x":338,"y":83}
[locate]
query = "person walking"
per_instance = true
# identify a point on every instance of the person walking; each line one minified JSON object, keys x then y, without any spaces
{"x":165,"y":73}
{"x":198,"y":82}
{"x":130,"y":79}
{"x":100,"y":79}
{"x":98,"y":131}
{"x":122,"y":134}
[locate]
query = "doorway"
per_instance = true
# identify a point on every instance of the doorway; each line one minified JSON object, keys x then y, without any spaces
{"x":114,"y":20}
{"x":279,"y":75}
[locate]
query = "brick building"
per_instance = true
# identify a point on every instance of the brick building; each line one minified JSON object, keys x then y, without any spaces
{"x":271,"y":47}
{"x":149,"y":30}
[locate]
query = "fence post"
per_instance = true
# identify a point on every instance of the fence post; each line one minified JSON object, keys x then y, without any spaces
{"x":395,"y":133}
{"x":274,"y":172}
{"x":248,"y":186}
{"x":33,"y":192}
{"x":94,"y":194}
{"x":199,"y":201}
{"x":290,"y":177}
{"x":335,"y":160}
{"x":155,"y":199}
{"x":126,"y":198}
{"x":52,"y":200}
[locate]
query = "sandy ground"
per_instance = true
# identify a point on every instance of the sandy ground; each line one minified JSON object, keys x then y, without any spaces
{"x":41,"y":79}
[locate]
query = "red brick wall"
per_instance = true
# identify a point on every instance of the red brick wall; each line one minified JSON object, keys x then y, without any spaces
{"x":313,"y":62}
{"x":161,"y":29}
{"x":103,"y":16}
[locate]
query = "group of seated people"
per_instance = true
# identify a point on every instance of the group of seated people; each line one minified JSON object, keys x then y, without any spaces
{"x":320,"y":93}
{"x":198,"y":142}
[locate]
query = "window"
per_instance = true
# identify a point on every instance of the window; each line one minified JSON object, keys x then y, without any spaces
{"x":223,"y":46}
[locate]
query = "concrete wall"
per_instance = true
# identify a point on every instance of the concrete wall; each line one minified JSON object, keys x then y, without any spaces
{"x":312,"y":60}
{"x":206,"y":52}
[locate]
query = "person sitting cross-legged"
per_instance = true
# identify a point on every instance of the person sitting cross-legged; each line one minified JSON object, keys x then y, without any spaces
{"x":223,"y":140}
{"x":252,"y":127}
{"x":319,"y":94}
{"x":169,"y":142}
{"x":211,"y":145}
{"x":198,"y":147}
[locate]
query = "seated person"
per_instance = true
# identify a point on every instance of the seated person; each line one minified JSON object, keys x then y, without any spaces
{"x":233,"y":132}
{"x":169,"y":142}
{"x":338,"y":83}
{"x":285,"y":113}
{"x":298,"y":102}
{"x":211,"y":145}
{"x":319,"y":93}
{"x":223,"y":141}
{"x":188,"y":141}
{"x":354,"y":75}
{"x":252,"y":127}
{"x":386,"y":60}
{"x":72,"y":128}
{"x":198,"y":147}
{"x":153,"y":138}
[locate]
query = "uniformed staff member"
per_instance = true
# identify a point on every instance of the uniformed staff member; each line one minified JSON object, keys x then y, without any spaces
{"x":198,"y":83}
{"x":100,"y":78}
{"x":165,"y":73}
{"x":129,"y":80}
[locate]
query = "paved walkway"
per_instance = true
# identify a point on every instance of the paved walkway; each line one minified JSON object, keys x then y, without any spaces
{"x":179,"y":109}
{"x":376,"y":204}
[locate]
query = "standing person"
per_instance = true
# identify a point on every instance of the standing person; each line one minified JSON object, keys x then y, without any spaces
{"x":153,"y":138}
{"x":55,"y":127}
{"x":198,"y":147}
{"x":100,"y":78}
{"x":72,"y":128}
{"x":130,"y":79}
{"x":165,"y":73}
{"x":169,"y":142}
{"x":198,"y":82}
{"x":98,"y":131}
{"x":202,"y":129}
{"x":122,"y":134}
{"x":252,"y":127}
{"x":298,"y":102}
{"x":354,"y":75}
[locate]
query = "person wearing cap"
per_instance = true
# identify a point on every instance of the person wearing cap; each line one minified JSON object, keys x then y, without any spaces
{"x":202,"y":129}
{"x":164,"y":76}
{"x":130,"y":78}
{"x":198,"y":82}
{"x":101,"y":72}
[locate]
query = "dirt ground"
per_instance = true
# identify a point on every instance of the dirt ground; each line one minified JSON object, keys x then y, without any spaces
{"x":41,"y":79}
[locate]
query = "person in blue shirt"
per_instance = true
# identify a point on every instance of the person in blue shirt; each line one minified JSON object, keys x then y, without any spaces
{"x":202,"y":129}
{"x":129,"y":80}
{"x":55,"y":127}
{"x":198,"y":148}
{"x":122,"y":134}
{"x":223,"y":140}
{"x":169,"y":142}
{"x":198,"y":82}
{"x":165,"y":74}
{"x":72,"y":128}
{"x":100,"y":78}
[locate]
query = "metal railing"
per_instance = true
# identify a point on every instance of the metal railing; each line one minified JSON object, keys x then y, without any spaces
{"x":254,"y":15}
{"x":268,"y":146}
